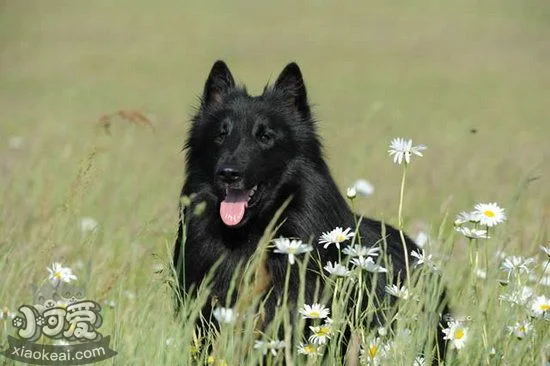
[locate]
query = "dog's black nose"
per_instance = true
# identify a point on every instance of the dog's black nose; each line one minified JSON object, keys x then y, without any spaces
{"x":228,"y":174}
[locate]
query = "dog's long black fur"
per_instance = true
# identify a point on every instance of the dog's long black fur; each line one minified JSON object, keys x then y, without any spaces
{"x":238,"y":141}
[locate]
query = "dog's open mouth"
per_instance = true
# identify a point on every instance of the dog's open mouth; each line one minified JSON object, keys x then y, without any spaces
{"x":233,"y":207}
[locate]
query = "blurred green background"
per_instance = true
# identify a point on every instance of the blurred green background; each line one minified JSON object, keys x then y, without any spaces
{"x":469,"y":79}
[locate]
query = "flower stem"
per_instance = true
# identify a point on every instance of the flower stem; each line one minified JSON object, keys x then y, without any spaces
{"x":400,"y":223}
{"x":287,"y":280}
{"x":471,"y":252}
{"x":335,"y":293}
{"x":286,"y":317}
{"x":359,"y":299}
{"x":357,"y":231}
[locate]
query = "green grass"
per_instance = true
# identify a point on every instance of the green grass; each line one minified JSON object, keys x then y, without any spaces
{"x":430,"y":71}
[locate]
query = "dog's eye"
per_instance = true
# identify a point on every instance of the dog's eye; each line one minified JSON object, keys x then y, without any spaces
{"x":265,"y":138}
{"x":221,"y":136}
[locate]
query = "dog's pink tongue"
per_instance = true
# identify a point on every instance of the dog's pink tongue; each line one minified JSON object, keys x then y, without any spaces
{"x":233,"y":206}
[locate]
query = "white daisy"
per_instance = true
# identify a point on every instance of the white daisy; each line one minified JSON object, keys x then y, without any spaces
{"x":336,"y":236}
{"x":456,"y":333}
{"x":400,"y":292}
{"x":490,"y":214}
{"x":422,"y":238}
{"x":272,"y":346}
{"x":544,"y":277}
{"x":419,"y":255}
{"x":320,"y":333}
{"x":309,"y":349}
{"x":465,"y":217}
{"x":518,"y":297}
{"x":314,"y":311}
{"x":472,"y":233}
{"x":169,"y":341}
{"x":110,"y":303}
{"x":374,"y":351}
{"x":358,"y":250}
{"x":130,"y":295}
{"x":540,"y":307}
{"x":423,"y":259}
{"x":546,"y":250}
{"x":480,"y":273}
{"x":368,"y":264}
{"x":402,"y":149}
{"x":58,"y":274}
{"x":520,"y":329}
{"x":351,"y":193}
{"x":7,"y":314}
{"x":224,"y":315}
{"x":337,"y":269}
{"x":420,"y":361}
{"x":363,"y":187}
{"x":88,"y":224}
{"x":545,"y":281}
{"x":291,"y":247}
{"x":15,"y":142}
{"x":517,"y":265}
{"x":405,"y":333}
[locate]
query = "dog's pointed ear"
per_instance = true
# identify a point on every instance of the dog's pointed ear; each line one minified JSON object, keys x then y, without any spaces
{"x":218,"y":83}
{"x":291,"y":83}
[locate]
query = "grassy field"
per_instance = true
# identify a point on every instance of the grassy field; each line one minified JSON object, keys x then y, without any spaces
{"x":469,"y":79}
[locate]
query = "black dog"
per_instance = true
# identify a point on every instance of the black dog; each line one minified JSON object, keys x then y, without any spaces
{"x":246,"y":155}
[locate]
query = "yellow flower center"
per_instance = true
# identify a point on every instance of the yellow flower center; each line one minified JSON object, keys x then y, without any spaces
{"x":314,"y":314}
{"x":310,"y":348}
{"x":323,"y":331}
{"x":57,"y":275}
{"x":489,"y":213}
{"x":459,"y":334}
{"x":545,"y":307}
{"x":373,"y":350}
{"x":340,"y":238}
{"x":522,"y":329}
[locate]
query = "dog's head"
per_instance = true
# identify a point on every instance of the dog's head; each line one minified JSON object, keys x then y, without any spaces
{"x":240,"y":146}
